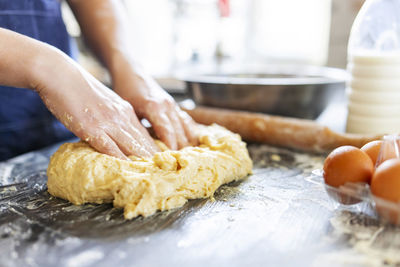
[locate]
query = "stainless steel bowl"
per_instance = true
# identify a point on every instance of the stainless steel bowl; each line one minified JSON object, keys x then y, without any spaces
{"x":295,"y":91}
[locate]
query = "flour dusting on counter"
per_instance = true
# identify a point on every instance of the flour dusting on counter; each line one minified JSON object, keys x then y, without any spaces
{"x":275,"y":210}
{"x":371,"y":242}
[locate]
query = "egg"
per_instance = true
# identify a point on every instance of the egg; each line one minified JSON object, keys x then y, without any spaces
{"x":385,"y":184}
{"x":346,"y":164}
{"x":372,"y":149}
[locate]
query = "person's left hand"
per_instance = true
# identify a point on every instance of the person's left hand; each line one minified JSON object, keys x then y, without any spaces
{"x":172,"y":125}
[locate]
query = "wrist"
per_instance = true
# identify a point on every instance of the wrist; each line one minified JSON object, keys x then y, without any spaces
{"x":45,"y":66}
{"x":122,"y":64}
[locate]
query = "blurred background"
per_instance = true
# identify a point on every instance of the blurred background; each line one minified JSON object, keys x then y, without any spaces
{"x":175,"y":35}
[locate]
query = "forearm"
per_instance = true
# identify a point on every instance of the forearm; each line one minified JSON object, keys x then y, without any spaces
{"x":31,"y":64}
{"x":103,"y":24}
{"x":18,"y":56}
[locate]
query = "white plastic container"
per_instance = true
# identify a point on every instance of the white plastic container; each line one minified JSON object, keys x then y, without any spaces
{"x":374,"y":65}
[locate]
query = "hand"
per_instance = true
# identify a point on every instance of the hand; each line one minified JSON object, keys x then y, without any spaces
{"x":113,"y":45}
{"x":171,"y":124}
{"x":90,"y":110}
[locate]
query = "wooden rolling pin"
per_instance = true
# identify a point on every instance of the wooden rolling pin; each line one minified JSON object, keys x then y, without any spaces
{"x":301,"y":134}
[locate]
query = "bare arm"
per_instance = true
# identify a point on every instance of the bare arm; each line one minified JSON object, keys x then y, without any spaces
{"x":84,"y":105}
{"x":18,"y":56}
{"x":103,"y":23}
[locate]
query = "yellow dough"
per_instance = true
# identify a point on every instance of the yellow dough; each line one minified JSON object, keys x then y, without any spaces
{"x":79,"y":174}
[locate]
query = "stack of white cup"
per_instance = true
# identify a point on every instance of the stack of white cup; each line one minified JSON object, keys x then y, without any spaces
{"x":374,"y":93}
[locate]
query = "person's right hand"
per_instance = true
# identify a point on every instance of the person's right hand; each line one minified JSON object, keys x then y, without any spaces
{"x":89,"y":109}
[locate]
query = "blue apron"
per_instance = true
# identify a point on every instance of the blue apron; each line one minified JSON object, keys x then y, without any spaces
{"x":25,"y":122}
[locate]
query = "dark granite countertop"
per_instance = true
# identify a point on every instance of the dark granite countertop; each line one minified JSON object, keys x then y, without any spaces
{"x":275,"y":217}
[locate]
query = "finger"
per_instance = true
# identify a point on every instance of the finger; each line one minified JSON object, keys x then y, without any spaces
{"x":164,"y":130}
{"x":128,"y":144}
{"x":189,"y":127}
{"x":137,"y":130}
{"x":180,"y":136}
{"x":104,"y":144}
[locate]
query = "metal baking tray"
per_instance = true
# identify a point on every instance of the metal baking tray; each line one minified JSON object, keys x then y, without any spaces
{"x":288,"y":90}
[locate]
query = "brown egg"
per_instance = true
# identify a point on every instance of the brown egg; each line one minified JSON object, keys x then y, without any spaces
{"x":346,"y":164}
{"x":385,"y":184}
{"x":372,"y":149}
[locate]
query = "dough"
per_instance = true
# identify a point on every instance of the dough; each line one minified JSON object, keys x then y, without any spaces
{"x":79,"y":174}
